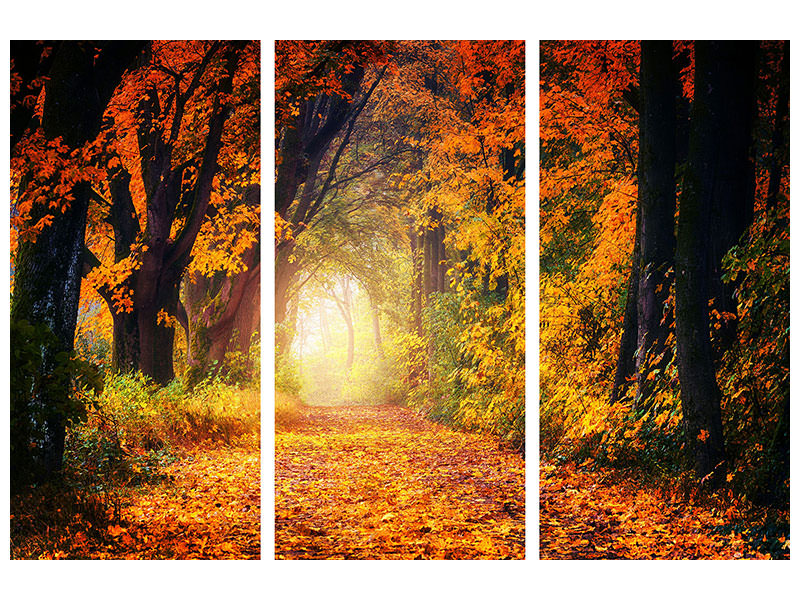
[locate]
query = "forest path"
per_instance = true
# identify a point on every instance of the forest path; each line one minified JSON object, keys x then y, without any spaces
{"x":381,"y":482}
{"x":584,"y":516}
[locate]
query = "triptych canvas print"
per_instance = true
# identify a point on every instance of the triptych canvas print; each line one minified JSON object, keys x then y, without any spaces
{"x":393,"y":398}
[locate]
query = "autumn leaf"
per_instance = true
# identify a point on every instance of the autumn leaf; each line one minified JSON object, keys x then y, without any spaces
{"x":412,"y":489}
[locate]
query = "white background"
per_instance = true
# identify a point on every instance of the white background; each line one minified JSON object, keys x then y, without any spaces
{"x":406,"y":19}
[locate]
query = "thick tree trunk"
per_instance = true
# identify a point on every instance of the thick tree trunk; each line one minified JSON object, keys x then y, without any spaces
{"x":48,"y":271}
{"x":156,"y":283}
{"x":721,"y":85}
{"x":733,"y":194}
{"x":656,"y":208}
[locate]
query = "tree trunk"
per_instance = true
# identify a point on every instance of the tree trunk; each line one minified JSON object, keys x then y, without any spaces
{"x":733,"y":194}
{"x":656,"y":209}
{"x":156,"y":283}
{"x":48,"y":271}
{"x":223,"y":311}
{"x":626,"y":362}
{"x":717,"y":128}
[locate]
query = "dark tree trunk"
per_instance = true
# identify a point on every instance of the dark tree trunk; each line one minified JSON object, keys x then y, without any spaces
{"x":733,"y":194}
{"x":32,"y":60}
{"x":626,"y":362}
{"x":435,"y":253}
{"x":48,"y":271}
{"x":656,"y":209}
{"x":301,"y":146}
{"x":156,"y":283}
{"x":722,"y":81}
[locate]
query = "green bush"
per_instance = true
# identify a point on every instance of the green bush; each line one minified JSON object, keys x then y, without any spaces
{"x":287,"y":379}
{"x":135,"y":426}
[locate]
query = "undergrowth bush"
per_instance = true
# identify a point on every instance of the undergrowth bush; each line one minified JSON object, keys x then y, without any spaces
{"x":474,"y":374}
{"x":134,"y":427}
{"x":580,"y":424}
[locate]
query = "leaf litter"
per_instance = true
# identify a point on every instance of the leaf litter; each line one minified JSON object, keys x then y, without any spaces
{"x":207,"y":505}
{"x":588,"y":514}
{"x":381,"y":482}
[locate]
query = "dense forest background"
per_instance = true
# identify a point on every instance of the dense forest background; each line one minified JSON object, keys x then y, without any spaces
{"x":399,"y":240}
{"x":664,"y":263}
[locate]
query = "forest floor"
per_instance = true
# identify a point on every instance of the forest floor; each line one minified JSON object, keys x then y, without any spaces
{"x":588,"y":514}
{"x":206,"y":504}
{"x":381,"y":482}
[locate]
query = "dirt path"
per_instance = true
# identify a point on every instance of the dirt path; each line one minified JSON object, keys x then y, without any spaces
{"x":382,"y":482}
{"x":585,"y":516}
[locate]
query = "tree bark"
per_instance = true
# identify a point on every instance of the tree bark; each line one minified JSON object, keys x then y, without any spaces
{"x":626,"y":362}
{"x":733,"y":194}
{"x":656,"y":208}
{"x":779,"y":146}
{"x":48,"y":271}
{"x":722,"y":75}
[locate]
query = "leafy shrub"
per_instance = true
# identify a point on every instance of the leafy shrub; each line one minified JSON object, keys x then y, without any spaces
{"x":475,"y":372}
{"x":287,"y":379}
{"x":754,"y":376}
{"x":217,"y":411}
{"x":36,"y":397}
{"x":134,"y":427}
